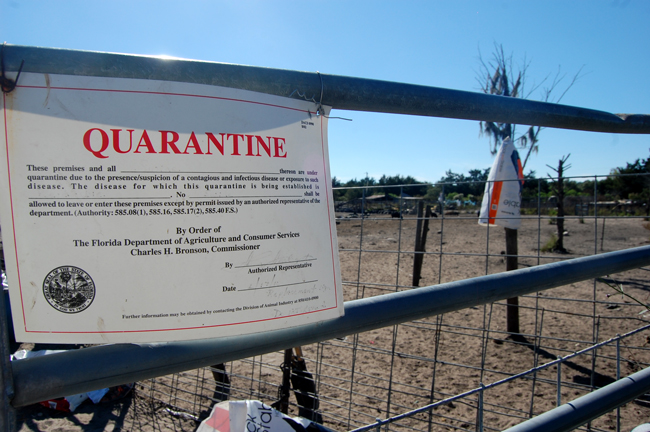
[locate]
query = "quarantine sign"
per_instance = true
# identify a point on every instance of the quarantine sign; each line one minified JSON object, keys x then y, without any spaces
{"x":142,"y":211}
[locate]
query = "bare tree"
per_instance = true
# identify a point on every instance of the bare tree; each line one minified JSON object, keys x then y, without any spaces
{"x":558,"y":188}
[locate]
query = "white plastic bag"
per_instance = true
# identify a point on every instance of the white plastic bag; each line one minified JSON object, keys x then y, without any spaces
{"x":253,"y":416}
{"x":502,"y":198}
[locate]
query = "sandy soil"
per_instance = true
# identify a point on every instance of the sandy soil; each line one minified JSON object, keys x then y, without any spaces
{"x":389,"y":371}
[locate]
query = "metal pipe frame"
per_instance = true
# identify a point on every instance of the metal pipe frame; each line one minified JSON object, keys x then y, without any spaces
{"x":579,"y":411}
{"x":87,"y":369}
{"x":7,"y":413}
{"x":478,"y":390}
{"x":339,"y":92}
{"x":82,"y":370}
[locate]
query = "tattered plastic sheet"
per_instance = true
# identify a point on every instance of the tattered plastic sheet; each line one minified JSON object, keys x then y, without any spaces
{"x":253,"y":415}
{"x":502,"y":198}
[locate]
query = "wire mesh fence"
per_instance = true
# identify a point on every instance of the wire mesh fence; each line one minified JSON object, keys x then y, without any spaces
{"x":465,"y":363}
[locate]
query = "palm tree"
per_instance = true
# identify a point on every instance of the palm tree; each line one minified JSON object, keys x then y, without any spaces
{"x":498,"y":77}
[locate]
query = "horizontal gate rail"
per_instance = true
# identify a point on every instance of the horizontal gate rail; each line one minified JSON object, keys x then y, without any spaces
{"x":566,"y":417}
{"x":579,"y":411}
{"x":339,"y":92}
{"x":87,"y":369}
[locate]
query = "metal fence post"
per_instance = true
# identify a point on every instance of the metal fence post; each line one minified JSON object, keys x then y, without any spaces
{"x":559,"y":382}
{"x":479,"y":414}
{"x":618,"y":377}
{"x":7,"y":411}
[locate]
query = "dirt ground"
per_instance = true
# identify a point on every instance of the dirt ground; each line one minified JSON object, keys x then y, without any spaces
{"x":385,"y":372}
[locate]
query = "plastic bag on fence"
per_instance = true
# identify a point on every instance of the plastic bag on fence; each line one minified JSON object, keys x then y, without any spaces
{"x":252,"y":415}
{"x":65,"y":404}
{"x":502,"y":198}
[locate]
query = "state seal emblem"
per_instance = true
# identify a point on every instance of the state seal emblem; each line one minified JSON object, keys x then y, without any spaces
{"x":69,"y":289}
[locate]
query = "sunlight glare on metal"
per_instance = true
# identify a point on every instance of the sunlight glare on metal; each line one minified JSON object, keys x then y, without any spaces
{"x":167,"y":57}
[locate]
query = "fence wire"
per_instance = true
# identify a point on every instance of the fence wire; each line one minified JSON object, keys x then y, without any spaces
{"x":463,"y":370}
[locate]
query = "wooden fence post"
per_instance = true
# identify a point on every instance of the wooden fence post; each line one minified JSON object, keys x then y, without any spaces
{"x":421,"y":230}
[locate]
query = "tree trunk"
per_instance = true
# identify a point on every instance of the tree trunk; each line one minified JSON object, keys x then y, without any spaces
{"x":421,"y":230}
{"x":512,"y":311}
{"x":560,"y":208}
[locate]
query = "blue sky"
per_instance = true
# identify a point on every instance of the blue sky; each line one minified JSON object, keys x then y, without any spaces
{"x":434,"y":43}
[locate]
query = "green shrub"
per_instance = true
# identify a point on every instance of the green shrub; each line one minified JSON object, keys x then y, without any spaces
{"x":549,"y":246}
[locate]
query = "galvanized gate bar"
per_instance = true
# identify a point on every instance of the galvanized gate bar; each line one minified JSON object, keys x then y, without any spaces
{"x":88,"y":369}
{"x":579,"y":411}
{"x":339,"y":92}
{"x":7,"y":413}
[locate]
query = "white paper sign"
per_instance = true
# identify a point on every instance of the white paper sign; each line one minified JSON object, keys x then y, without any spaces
{"x":142,"y":211}
{"x":502,"y":198}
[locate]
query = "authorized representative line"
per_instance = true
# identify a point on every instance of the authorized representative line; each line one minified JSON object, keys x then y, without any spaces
{"x":286,"y":262}
{"x":277,"y":286}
